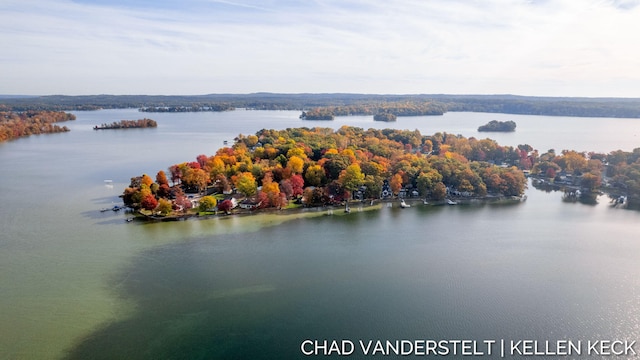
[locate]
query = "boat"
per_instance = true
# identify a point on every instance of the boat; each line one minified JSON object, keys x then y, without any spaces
{"x":451,"y":202}
{"x":404,"y":204}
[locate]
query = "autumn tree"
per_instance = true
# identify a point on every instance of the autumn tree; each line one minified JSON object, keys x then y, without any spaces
{"x":271,"y":189}
{"x":149,"y":202}
{"x":295,"y":165}
{"x":164,"y":206}
{"x":590,"y":181}
{"x":207,"y":203}
{"x":161,"y":178}
{"x":246,"y":184}
{"x":396,"y":184}
{"x":297,"y":185}
{"x":225,"y":205}
{"x":351,"y":178}
{"x":439,"y":191}
{"x":146,"y":180}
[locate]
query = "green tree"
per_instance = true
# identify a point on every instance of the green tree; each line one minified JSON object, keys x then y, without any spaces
{"x":246,"y":184}
{"x":315,"y":175}
{"x":351,"y":178}
{"x":207,"y":203}
{"x":427,"y":181}
{"x":164,"y":206}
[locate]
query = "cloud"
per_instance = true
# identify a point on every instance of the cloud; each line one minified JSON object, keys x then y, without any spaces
{"x":550,"y":47}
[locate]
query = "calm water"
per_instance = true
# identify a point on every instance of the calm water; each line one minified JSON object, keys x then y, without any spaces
{"x":76,"y":283}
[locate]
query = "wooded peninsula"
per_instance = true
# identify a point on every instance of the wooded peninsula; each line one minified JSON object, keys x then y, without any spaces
{"x":322,"y":167}
{"x":14,"y":125}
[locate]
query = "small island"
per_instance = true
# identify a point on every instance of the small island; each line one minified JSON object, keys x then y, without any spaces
{"x":128,"y":124}
{"x":498,"y":126}
{"x":317,"y":114}
{"x":384,"y":116}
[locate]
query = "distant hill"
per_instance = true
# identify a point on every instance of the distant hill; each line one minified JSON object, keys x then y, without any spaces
{"x":16,"y":96}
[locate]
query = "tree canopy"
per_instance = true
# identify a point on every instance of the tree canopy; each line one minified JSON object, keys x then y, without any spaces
{"x":321,"y":165}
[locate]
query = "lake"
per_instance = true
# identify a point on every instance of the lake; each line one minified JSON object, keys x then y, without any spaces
{"x":76,"y":283}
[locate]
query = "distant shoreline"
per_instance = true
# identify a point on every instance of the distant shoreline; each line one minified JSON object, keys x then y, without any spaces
{"x":505,"y":104}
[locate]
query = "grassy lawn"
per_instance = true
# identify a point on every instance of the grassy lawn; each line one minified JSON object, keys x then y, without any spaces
{"x":292,"y":205}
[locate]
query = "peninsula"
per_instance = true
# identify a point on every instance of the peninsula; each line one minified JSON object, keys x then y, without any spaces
{"x":14,"y":125}
{"x":314,"y":167}
{"x":322,"y":167}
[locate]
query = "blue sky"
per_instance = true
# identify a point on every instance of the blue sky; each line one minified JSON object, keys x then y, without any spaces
{"x":524,"y":47}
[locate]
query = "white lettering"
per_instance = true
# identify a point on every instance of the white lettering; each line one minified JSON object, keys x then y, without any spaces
{"x":304,"y":350}
{"x":489,"y":344}
{"x":365,"y":350}
{"x":378,"y":348}
{"x":406,"y":347}
{"x":515,"y":348}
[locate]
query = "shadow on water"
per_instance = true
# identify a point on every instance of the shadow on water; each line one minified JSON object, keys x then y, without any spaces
{"x":188,"y":306}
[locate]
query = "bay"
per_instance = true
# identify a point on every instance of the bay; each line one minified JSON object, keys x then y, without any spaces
{"x":77,"y":283}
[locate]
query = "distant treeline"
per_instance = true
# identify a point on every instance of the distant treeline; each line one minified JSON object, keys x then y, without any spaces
{"x":128,"y":124}
{"x":189,"y":108}
{"x":14,"y":125}
{"x":340,"y":104}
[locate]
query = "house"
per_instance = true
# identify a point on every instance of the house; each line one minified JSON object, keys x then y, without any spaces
{"x":249,"y":204}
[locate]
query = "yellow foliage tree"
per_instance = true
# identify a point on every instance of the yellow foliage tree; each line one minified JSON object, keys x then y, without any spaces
{"x":295,"y":164}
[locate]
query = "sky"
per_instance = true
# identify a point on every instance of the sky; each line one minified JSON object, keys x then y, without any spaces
{"x":188,"y":47}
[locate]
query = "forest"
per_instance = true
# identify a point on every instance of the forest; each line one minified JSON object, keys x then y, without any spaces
{"x":616,"y":173}
{"x":339,"y":104}
{"x":320,"y":166}
{"x":14,"y":125}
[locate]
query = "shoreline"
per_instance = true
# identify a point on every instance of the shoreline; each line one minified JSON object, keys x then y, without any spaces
{"x":333,"y":210}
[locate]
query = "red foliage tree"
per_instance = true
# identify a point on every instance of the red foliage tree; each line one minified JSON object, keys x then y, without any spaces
{"x":202,"y":160}
{"x":225,"y":206}
{"x":149,"y":202}
{"x":286,"y":188}
{"x":297,"y":185}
